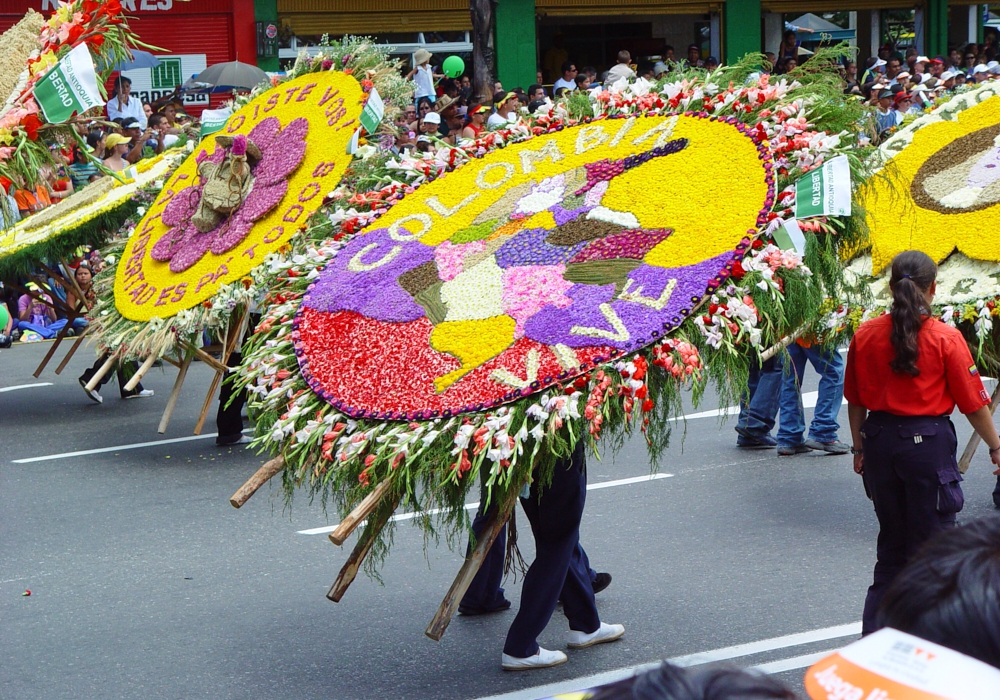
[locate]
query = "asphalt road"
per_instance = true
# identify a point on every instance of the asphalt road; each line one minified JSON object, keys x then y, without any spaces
{"x":146,"y":583}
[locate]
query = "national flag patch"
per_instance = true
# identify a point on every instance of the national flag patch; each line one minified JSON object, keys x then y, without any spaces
{"x":973,"y":370}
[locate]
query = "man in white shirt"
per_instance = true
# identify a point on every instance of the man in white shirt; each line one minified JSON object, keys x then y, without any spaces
{"x":568,"y":79}
{"x":506,"y":105}
{"x":621,"y":69}
{"x":123,"y":105}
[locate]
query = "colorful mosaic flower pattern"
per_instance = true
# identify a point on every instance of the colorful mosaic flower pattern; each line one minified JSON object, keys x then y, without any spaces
{"x":941,"y":191}
{"x":302,"y":129}
{"x":532,"y":265}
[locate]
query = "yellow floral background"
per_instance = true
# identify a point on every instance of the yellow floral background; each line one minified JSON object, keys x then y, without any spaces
{"x":896,"y":223}
{"x":324,"y":163}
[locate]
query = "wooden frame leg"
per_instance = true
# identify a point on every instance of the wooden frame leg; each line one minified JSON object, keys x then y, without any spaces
{"x":99,"y":375}
{"x":137,"y":377}
{"x":72,"y":350}
{"x":362,"y":511}
{"x":175,"y":393}
{"x":446,"y":611}
{"x":52,"y":350}
{"x":350,"y":571}
{"x":233,"y":333}
{"x":271,"y":468}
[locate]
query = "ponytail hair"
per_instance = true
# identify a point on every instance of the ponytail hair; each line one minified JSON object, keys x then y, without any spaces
{"x":913,"y":273}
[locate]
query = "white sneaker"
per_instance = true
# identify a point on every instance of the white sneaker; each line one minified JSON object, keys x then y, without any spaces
{"x":141,"y":395}
{"x":604,"y":633}
{"x":91,"y":393}
{"x":543,"y":659}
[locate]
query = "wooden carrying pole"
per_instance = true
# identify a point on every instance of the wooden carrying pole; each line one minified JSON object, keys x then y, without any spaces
{"x":137,"y":377}
{"x":260,"y":477}
{"x":350,"y":571}
{"x":233,"y":334}
{"x":362,"y":511}
{"x":970,"y":449}
{"x":99,"y":375}
{"x":72,"y":350}
{"x":446,"y":611}
{"x":175,"y":393}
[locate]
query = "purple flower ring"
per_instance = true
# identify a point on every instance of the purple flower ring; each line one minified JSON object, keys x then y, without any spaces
{"x":528,"y":266}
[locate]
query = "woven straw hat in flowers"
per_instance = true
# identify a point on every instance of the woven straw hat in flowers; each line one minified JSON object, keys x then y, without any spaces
{"x":421,"y":56}
{"x":443,"y":103}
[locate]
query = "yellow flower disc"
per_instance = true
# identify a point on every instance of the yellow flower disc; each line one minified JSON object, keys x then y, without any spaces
{"x":941,"y":192}
{"x":277,"y":204}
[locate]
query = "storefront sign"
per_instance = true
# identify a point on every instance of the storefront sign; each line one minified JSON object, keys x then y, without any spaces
{"x":150,"y":84}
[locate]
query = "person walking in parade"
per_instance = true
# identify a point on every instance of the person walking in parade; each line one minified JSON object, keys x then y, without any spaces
{"x":558,"y":572}
{"x":829,"y":364}
{"x":906,"y":372}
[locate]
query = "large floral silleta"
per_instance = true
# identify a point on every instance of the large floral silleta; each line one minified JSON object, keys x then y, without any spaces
{"x":530,"y":267}
{"x":279,"y":153}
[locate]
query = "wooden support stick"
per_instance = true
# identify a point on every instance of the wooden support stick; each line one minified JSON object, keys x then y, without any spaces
{"x":52,"y":350}
{"x":99,"y":375}
{"x":970,"y":449}
{"x":174,"y":393}
{"x":137,"y":377}
{"x":233,"y":333}
{"x":172,"y":361}
{"x":208,"y":359}
{"x":260,"y":477}
{"x":72,"y":350}
{"x":362,"y":511}
{"x":446,"y":611}
{"x":350,"y":571}
{"x":781,"y":345}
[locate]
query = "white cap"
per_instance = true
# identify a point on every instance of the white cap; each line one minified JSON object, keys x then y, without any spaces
{"x":947,"y":75}
{"x":981,"y":68}
{"x":920,"y":88}
{"x":995,"y":70}
{"x":923,"y":59}
{"x":423,"y":139}
{"x":924,"y":77}
{"x":992,"y":64}
{"x":432,"y":118}
{"x":878,"y":63}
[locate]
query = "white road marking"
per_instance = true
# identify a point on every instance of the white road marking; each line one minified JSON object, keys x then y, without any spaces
{"x":24,"y":386}
{"x":705,"y":657}
{"x":809,"y":399}
{"x":472,"y":506}
{"x":804,"y":661}
{"x":100,"y":450}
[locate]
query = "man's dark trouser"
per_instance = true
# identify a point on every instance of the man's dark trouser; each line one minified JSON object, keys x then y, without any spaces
{"x":124,"y":370}
{"x":912,"y":476}
{"x":485,"y":593}
{"x":229,"y":419}
{"x":558,"y":570}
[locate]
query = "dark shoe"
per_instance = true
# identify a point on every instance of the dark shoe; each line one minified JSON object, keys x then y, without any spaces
{"x":70,"y":333}
{"x":787,"y":450}
{"x":836,"y":447}
{"x":470,"y":611}
{"x":91,"y":393}
{"x":601,"y":581}
{"x":757,"y":442}
{"x":15,"y":335}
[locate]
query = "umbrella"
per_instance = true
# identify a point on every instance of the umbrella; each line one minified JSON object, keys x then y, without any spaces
{"x":140,"y":59}
{"x":233,"y":74}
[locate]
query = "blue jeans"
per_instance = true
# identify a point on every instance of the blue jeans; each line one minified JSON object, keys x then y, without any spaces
{"x":47,"y":332}
{"x":759,"y":405}
{"x":829,"y":364}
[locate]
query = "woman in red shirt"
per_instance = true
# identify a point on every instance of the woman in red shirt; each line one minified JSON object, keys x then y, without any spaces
{"x":906,"y":372}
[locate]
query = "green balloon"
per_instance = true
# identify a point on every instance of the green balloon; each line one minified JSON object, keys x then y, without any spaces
{"x":453,"y":66}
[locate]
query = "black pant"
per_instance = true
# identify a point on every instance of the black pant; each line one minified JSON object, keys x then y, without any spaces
{"x":124,"y":370}
{"x":912,"y":476}
{"x":558,"y":570}
{"x":229,"y":419}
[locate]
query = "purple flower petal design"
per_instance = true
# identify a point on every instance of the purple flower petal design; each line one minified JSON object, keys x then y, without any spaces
{"x":644,"y":306}
{"x":284,"y":153}
{"x":191,"y":249}
{"x":264,"y":199}
{"x":169,"y":243}
{"x":263,"y":134}
{"x":374,"y":292}
{"x":181,"y":206}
